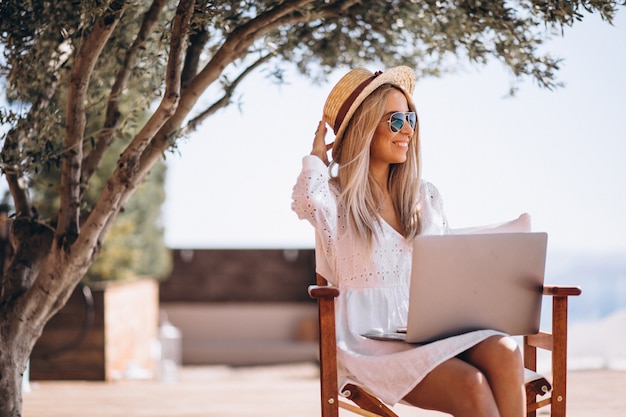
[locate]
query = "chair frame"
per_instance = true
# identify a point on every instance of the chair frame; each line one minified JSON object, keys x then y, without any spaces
{"x":368,"y":405}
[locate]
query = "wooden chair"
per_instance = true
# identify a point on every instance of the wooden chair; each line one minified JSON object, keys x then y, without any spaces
{"x":364,"y":403}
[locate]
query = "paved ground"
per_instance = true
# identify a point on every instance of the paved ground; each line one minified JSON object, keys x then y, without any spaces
{"x":276,"y":391}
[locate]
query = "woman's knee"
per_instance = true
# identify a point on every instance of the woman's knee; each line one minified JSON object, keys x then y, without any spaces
{"x":509,"y":354}
{"x":499,"y":358}
{"x":501,"y":351}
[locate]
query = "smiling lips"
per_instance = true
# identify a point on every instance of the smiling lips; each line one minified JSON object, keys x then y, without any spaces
{"x":402,"y":144}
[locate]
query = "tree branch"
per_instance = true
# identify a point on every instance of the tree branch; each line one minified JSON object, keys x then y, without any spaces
{"x":128,"y":160}
{"x":75,"y":120}
{"x":196,"y":44}
{"x":240,"y":39}
{"x":19,"y":191}
{"x":113,"y":115}
{"x":127,"y":176}
{"x":234,"y":47}
{"x":226,"y":98}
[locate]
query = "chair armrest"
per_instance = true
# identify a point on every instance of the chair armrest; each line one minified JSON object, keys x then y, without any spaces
{"x":536,"y":384}
{"x":323,"y":291}
{"x":561,"y":290}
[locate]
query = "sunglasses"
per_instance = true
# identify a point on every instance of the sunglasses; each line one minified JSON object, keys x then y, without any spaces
{"x":396,"y":120}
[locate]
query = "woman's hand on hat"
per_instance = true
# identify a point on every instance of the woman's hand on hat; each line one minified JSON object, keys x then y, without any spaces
{"x":320,"y":148}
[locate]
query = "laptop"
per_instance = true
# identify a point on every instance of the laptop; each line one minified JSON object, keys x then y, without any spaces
{"x":461,"y":283}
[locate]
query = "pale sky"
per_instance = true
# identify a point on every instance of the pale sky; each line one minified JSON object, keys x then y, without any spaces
{"x":558,"y":155}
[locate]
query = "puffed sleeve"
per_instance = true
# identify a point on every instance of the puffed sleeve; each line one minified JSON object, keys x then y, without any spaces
{"x":312,"y":198}
{"x":315,"y":200}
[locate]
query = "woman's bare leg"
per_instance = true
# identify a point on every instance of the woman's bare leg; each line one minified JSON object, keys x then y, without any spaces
{"x":500,"y":360}
{"x":455,"y":387}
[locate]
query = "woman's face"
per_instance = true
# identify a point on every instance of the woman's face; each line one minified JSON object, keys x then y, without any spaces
{"x":389,"y":147}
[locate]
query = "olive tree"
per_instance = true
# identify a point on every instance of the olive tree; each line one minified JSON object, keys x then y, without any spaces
{"x":80,"y":76}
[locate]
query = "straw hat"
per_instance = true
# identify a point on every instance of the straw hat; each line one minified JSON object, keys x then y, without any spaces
{"x":354,"y":87}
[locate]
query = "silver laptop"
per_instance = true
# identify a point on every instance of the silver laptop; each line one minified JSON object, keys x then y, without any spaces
{"x":461,"y":283}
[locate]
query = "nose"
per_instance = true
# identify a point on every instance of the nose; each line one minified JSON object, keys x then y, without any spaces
{"x":407,"y":124}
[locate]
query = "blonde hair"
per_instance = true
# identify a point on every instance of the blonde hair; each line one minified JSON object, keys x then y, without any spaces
{"x":358,"y":188}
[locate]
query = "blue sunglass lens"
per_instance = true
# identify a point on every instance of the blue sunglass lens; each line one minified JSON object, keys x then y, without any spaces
{"x":396,"y":121}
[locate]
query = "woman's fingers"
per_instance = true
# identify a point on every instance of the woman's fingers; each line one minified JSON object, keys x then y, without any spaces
{"x":319,"y":144}
{"x":320,"y":133}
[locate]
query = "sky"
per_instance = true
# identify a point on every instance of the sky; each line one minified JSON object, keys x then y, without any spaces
{"x":557,"y":155}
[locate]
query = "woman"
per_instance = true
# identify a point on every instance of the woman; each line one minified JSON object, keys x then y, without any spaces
{"x":365,"y":215}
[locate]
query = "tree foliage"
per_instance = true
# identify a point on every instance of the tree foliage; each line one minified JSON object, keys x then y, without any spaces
{"x":81,"y":76}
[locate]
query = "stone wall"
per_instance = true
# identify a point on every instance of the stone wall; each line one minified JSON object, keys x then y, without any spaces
{"x":240,"y":275}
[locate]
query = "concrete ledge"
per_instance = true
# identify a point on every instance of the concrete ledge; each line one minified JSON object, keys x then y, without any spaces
{"x":245,"y":333}
{"x":254,"y":353}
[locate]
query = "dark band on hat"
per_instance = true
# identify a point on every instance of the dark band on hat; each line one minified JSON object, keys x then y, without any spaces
{"x":350,"y":100}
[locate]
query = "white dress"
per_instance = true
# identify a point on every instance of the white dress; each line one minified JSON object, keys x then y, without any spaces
{"x":374,"y":290}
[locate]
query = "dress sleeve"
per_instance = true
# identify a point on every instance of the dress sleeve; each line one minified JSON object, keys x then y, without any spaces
{"x":314,"y":199}
{"x":434,"y":221}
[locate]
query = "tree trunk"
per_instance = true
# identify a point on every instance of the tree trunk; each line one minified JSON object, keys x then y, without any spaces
{"x":18,"y":333}
{"x":13,"y":359}
{"x":35,"y":284}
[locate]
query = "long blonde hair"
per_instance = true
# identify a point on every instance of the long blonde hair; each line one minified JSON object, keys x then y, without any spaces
{"x":351,"y":159}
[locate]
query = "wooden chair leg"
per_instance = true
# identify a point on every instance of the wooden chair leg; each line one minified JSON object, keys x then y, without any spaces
{"x":559,"y":357}
{"x":368,"y":405}
{"x":328,"y":367}
{"x":530,"y":362}
{"x":556,"y":343}
{"x":329,"y":389}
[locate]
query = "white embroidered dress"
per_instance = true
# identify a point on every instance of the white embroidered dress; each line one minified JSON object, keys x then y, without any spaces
{"x":374,"y":290}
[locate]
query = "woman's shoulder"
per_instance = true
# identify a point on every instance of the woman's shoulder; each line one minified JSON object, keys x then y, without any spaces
{"x":429,"y":190}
